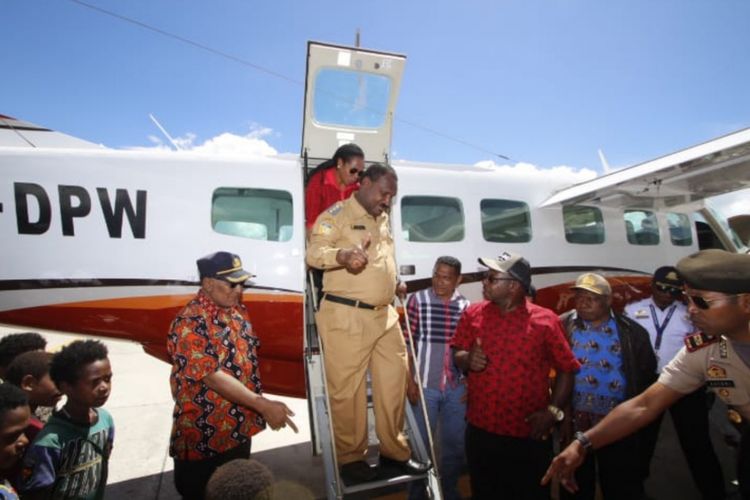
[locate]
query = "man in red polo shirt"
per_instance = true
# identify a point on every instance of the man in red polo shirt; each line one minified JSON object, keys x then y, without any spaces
{"x":508,"y":346}
{"x":332,"y":181}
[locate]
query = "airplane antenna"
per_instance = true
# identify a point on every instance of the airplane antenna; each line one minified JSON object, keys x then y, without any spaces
{"x":164,"y":131}
{"x":356,"y":38}
{"x":605,"y":164}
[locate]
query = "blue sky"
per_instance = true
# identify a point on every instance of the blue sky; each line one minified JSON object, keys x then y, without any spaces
{"x":546,"y":82}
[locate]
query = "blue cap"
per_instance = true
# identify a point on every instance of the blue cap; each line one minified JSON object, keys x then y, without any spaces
{"x":224,"y":266}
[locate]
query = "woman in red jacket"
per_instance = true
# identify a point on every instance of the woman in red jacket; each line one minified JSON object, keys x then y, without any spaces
{"x":333,"y":180}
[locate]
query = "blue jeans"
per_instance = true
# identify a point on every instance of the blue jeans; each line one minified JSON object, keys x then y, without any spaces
{"x":446,"y":408}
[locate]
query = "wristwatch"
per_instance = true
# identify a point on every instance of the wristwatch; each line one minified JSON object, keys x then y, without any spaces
{"x":556,"y":412}
{"x":586,"y":443}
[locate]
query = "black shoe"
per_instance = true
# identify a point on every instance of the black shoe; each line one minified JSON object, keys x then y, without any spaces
{"x":409,"y":467}
{"x":358,"y":472}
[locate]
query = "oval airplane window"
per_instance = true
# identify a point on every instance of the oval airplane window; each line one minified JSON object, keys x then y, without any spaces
{"x":350,"y":98}
{"x":258,"y":214}
{"x":505,"y":221}
{"x":432,"y":219}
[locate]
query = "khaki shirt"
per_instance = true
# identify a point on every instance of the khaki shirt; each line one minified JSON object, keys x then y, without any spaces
{"x":716,"y":365}
{"x":343,"y":226}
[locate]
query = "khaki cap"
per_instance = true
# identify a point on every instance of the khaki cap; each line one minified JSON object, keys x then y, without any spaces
{"x":594,"y":283}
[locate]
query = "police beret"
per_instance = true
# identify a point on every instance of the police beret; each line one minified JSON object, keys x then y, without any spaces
{"x":717,"y":271}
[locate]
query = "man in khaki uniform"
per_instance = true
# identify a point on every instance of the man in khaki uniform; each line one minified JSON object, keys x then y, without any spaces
{"x":352,"y":243}
{"x":717,"y":284}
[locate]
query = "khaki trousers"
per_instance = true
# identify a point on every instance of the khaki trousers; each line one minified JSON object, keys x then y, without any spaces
{"x":355,"y":340}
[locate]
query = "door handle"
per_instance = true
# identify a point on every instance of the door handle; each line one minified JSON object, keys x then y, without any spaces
{"x":407,"y":270}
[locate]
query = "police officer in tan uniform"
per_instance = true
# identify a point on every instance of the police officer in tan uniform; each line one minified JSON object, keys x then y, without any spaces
{"x":717,"y":285}
{"x":359,"y":328}
{"x":667,"y":321}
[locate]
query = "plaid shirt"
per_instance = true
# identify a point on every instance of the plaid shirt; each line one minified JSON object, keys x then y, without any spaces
{"x":203,"y":339}
{"x":433,"y":322}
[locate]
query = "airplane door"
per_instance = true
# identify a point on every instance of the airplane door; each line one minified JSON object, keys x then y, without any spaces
{"x":350,"y":96}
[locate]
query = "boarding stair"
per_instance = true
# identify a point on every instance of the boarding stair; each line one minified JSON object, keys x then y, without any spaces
{"x":322,"y":428}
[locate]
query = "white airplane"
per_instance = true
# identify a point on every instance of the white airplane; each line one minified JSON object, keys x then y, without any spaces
{"x":103,"y":242}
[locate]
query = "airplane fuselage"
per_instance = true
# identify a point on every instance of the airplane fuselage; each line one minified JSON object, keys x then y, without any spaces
{"x":104,"y":242}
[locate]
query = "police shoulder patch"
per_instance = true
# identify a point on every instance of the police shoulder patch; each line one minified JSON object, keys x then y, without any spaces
{"x":323,"y":228}
{"x":699,"y":341}
{"x":335,"y":208}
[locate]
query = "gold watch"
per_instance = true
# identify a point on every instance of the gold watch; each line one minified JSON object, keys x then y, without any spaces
{"x":556,"y":412}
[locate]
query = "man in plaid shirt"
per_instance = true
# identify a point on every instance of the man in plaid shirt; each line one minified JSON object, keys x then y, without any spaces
{"x":433,"y":314}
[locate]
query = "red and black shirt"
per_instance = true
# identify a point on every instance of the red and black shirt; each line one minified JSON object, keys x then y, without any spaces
{"x":203,"y":339}
{"x":522,"y":346}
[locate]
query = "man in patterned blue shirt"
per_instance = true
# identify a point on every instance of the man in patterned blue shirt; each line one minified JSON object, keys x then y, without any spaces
{"x":433,"y":314}
{"x":617,"y":363}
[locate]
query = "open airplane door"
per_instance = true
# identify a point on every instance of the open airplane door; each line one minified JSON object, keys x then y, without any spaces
{"x":350,"y":96}
{"x":681,"y":180}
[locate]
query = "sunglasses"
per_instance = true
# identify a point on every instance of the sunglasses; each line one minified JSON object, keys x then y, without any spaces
{"x":491,"y":280}
{"x":669,"y":289}
{"x":231,"y":284}
{"x":704,"y":303}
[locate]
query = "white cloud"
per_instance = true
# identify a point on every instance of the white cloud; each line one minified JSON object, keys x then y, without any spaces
{"x":570,"y":174}
{"x":251,"y":144}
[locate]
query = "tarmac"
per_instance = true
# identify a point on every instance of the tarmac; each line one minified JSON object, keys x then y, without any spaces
{"x":141,"y":405}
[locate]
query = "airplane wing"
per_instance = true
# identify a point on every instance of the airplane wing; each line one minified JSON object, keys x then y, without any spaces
{"x":22,"y":134}
{"x":686,"y":177}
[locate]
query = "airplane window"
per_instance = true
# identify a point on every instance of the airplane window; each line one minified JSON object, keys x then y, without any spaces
{"x":433,"y":219}
{"x":351,"y":98}
{"x":680,"y":229}
{"x":641,"y":227}
{"x":583,"y":225}
{"x":258,"y":214}
{"x":505,"y":221}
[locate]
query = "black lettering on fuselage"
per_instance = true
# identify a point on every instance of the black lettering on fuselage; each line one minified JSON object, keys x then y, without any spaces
{"x":75,"y":203}
{"x":113,"y":216}
{"x":68,"y":211}
{"x":22,"y":192}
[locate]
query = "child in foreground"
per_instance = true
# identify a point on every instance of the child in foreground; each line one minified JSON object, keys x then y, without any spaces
{"x":69,"y":457}
{"x":14,"y":417}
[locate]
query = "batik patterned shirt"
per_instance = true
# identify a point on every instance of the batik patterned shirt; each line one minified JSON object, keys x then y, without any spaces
{"x":203,"y":339}
{"x":600,"y":384}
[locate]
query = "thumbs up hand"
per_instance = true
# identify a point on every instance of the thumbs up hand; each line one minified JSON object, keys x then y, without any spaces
{"x":477,"y":358}
{"x":355,"y":259}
